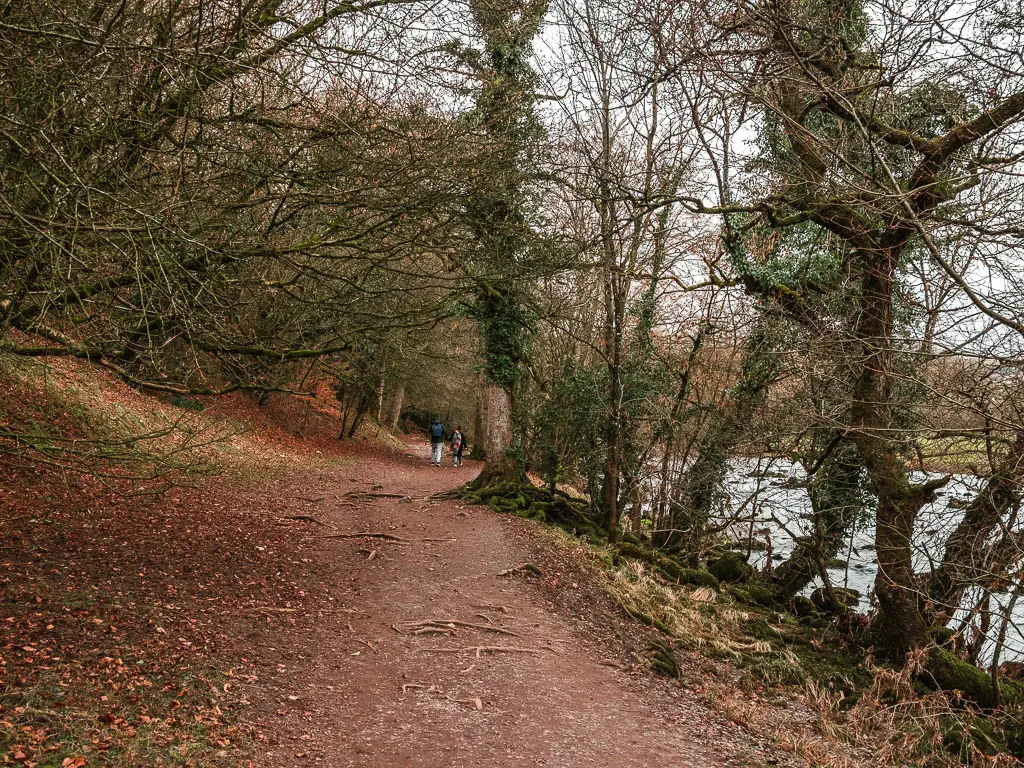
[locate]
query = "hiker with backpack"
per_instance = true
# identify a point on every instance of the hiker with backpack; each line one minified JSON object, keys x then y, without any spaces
{"x":436,"y":442}
{"x":458,"y":443}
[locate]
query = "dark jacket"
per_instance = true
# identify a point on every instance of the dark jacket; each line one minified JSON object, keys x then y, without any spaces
{"x":436,"y":438}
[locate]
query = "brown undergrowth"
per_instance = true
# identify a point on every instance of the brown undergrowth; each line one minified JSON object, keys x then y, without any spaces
{"x":110,"y":653}
{"x":797,"y":685}
{"x":79,"y":420}
{"x":129,"y":570}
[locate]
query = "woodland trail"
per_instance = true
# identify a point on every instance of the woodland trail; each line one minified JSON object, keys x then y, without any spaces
{"x":352,"y":682}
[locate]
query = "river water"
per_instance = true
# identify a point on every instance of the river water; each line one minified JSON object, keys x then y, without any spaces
{"x":768,"y":496}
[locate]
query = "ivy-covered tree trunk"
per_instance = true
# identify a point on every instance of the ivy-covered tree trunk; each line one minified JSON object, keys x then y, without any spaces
{"x":505,"y":331}
{"x":498,"y":213}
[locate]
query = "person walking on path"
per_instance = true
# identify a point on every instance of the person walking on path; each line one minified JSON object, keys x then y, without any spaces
{"x":458,"y":443}
{"x":436,"y":442}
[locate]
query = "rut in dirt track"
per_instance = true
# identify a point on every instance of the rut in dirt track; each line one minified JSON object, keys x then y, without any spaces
{"x":524,"y":685}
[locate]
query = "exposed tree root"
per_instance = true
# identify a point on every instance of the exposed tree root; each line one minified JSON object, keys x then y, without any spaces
{"x":367,"y":535}
{"x":449,"y":626}
{"x":385,"y":537}
{"x":363,"y":495}
{"x":480,"y":649}
{"x":424,"y":630}
{"x":455,"y":493}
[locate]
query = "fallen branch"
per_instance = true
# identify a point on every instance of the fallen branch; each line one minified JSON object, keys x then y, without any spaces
{"x":310,"y":499}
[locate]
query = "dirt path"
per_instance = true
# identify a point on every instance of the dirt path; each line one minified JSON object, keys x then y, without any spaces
{"x":341,"y":687}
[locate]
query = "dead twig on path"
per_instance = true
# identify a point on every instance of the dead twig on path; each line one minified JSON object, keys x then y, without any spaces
{"x":522,"y":568}
{"x":475,"y":701}
{"x":310,"y":499}
{"x":441,"y":540}
{"x":303,"y":519}
{"x":406,"y":687}
{"x":500,"y":608}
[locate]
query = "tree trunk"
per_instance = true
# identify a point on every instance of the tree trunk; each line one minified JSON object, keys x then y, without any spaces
{"x":499,"y":466}
{"x":704,"y":477}
{"x":900,"y":626}
{"x":362,"y":408}
{"x":397,"y":401}
{"x":971,"y":558}
{"x":610,"y":487}
{"x":380,"y":392}
{"x":836,"y":504}
{"x":668,"y":435}
{"x":637,"y":510}
{"x":478,"y":451}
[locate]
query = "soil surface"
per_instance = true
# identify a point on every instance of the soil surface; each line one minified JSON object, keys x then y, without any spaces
{"x":249,"y":614}
{"x":417,"y":651}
